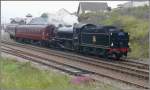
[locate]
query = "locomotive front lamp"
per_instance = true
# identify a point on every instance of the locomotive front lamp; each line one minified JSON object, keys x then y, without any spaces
{"x":129,"y":43}
{"x":128,"y":33}
{"x":112,"y":44}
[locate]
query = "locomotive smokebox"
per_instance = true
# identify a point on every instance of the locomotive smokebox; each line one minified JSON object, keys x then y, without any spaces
{"x":65,"y":32}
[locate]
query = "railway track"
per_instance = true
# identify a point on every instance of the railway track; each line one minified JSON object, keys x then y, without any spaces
{"x":141,"y":75}
{"x":122,"y":62}
{"x":135,"y":68}
{"x":47,"y":62}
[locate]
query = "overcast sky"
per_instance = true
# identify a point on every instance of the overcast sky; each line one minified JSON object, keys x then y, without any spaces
{"x":11,"y":9}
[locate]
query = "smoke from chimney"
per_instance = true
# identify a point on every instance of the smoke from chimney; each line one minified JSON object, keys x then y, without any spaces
{"x":62,"y":17}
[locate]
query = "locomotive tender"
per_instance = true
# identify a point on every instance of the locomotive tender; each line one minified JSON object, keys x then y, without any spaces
{"x":107,"y":41}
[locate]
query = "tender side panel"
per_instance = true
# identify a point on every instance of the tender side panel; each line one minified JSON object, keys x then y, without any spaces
{"x":95,"y":39}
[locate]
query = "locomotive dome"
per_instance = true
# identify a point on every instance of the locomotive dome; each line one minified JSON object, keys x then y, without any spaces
{"x":82,"y":25}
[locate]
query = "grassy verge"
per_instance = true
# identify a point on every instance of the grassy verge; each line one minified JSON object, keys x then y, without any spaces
{"x":16,"y":75}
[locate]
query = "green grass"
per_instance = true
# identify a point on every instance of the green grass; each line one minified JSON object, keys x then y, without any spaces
{"x":17,"y":75}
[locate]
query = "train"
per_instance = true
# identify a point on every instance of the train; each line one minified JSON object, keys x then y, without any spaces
{"x":100,"y":40}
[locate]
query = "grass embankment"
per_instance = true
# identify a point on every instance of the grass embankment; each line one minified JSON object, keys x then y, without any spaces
{"x":16,"y":75}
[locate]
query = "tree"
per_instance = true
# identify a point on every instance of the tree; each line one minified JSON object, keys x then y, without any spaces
{"x":28,"y":15}
{"x":109,"y":8}
{"x":44,"y":15}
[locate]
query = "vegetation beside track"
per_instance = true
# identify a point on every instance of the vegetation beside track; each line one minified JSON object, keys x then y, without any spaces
{"x":21,"y":75}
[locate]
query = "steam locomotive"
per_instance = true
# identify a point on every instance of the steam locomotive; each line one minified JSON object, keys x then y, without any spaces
{"x":101,"y":40}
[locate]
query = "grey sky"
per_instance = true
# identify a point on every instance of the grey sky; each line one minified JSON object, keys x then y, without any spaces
{"x":11,"y":9}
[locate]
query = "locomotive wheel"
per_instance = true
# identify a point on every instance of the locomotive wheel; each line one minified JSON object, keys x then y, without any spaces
{"x":19,"y":40}
{"x":42,"y":43}
{"x":10,"y":36}
{"x":105,"y":55}
{"x":68,"y":45}
{"x":116,"y":56}
{"x":86,"y":50}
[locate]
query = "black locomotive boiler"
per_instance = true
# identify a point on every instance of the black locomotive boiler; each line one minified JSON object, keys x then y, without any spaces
{"x":107,"y":41}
